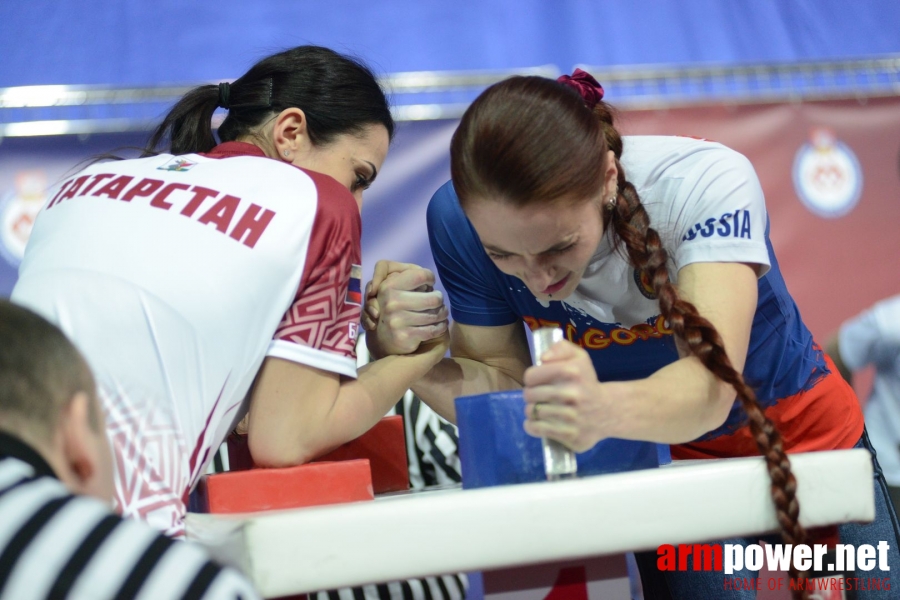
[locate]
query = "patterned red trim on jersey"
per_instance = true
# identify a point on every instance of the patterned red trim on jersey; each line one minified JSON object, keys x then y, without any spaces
{"x":148,"y":451}
{"x":326,"y":309}
{"x":321,"y":316}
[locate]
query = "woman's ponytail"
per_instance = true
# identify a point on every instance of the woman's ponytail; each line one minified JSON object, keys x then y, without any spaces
{"x":338,"y":94}
{"x":188,"y":125}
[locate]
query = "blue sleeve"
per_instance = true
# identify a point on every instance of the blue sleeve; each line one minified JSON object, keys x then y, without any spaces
{"x":470,"y":278}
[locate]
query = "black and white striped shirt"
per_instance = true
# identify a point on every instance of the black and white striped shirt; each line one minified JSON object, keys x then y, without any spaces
{"x":54,"y":544}
{"x":431,"y":446}
{"x":433,"y":456}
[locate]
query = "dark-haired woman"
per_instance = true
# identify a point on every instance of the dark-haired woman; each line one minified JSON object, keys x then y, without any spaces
{"x":221,"y":277}
{"x":652,"y":254}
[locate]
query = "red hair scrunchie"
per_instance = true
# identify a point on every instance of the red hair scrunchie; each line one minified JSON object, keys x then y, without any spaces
{"x":585,"y":84}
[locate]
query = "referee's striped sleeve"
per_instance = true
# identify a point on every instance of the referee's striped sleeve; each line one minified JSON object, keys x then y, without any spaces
{"x":56,"y":545}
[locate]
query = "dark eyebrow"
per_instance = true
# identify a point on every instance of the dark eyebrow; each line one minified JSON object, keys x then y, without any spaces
{"x":374,"y":171}
{"x":494,"y":249}
{"x":559,"y":246}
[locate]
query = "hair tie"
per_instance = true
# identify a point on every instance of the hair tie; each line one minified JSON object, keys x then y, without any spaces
{"x":584,"y":83}
{"x":224,"y":93}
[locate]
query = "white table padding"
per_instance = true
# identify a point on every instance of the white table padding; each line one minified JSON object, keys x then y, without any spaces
{"x":287,"y":552}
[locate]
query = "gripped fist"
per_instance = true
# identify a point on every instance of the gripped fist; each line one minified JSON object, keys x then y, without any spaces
{"x":563,"y":399}
{"x":403,"y":310}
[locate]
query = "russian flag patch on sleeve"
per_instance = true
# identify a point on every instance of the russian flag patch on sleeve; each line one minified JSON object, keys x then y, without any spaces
{"x":354,"y":289}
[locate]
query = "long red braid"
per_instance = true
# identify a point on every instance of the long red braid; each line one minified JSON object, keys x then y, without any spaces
{"x":529,"y":140}
{"x":631,"y":224}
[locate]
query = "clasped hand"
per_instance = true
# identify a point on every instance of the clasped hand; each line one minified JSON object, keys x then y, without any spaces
{"x":571,"y":405}
{"x":403,"y":314}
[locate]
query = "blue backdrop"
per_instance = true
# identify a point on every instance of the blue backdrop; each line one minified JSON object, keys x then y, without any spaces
{"x":148,"y":42}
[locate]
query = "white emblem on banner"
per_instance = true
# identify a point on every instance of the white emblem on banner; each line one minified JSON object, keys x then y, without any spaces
{"x":17,"y":213}
{"x":827,"y":176}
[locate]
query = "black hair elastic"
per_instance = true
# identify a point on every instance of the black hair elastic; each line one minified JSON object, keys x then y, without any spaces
{"x":224,"y":93}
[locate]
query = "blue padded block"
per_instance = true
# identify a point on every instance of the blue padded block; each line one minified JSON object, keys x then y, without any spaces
{"x":495,"y":450}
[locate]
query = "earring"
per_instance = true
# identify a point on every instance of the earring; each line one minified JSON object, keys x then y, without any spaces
{"x":287,"y":153}
{"x":611,"y":204}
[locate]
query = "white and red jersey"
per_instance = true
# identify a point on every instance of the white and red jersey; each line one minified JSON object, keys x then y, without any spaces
{"x":176,"y":276}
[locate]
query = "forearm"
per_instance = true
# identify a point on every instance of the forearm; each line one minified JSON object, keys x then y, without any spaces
{"x":684,"y":400}
{"x":298,"y":413}
{"x":677,"y":404}
{"x":362,"y":402}
{"x":455,"y":377}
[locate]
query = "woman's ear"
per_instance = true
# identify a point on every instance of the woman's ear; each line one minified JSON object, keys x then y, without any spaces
{"x":290,"y":134}
{"x":610,"y":176}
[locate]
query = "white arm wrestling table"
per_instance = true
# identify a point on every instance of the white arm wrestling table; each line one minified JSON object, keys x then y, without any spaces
{"x":419,"y":534}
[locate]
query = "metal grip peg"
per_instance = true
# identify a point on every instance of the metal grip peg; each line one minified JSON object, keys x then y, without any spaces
{"x":559,"y":461}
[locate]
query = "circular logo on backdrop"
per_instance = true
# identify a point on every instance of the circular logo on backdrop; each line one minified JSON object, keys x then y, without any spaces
{"x":18,"y":210}
{"x":827,"y":176}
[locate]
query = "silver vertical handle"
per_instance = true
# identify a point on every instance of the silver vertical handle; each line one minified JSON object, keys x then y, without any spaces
{"x":559,"y":461}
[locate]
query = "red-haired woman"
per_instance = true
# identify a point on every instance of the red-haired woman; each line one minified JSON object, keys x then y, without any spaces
{"x":652,"y":253}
